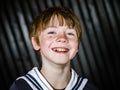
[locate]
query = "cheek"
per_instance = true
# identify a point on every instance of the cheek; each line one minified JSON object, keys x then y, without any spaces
{"x":51,"y":36}
{"x":75,"y":45}
{"x":42,"y":43}
{"x":76,"y":49}
{"x":48,"y":37}
{"x":75,"y":42}
{"x":45,"y":41}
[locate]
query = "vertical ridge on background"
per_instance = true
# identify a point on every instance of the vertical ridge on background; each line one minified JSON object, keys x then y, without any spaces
{"x":99,"y":51}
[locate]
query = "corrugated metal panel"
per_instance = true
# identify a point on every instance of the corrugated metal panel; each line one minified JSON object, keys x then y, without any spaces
{"x":99,"y":53}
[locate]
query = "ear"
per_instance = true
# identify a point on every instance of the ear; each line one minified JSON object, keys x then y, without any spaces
{"x":36,"y":46}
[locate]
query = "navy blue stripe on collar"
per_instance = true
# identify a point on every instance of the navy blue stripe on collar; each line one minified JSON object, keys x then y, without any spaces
{"x":33,"y":81}
{"x":78,"y":83}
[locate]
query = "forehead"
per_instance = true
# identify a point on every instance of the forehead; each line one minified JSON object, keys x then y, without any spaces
{"x":58,"y":20}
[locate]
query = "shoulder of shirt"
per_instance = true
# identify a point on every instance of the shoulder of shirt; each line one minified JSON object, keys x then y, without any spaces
{"x":20,"y":84}
{"x":90,"y":86}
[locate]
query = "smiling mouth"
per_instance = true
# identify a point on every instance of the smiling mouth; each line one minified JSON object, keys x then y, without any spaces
{"x":60,"y":50}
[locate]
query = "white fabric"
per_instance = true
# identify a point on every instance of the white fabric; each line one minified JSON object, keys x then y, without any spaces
{"x":46,"y":86}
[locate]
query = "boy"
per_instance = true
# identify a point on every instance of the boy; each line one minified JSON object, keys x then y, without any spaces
{"x":56,"y":36}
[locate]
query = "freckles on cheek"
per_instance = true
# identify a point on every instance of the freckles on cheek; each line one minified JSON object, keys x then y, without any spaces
{"x":50,"y":36}
{"x":47,"y":39}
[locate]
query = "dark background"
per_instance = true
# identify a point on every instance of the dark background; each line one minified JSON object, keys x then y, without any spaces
{"x":99,"y":55}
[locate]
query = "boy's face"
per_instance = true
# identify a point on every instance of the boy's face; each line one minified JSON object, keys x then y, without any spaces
{"x":57,"y":44}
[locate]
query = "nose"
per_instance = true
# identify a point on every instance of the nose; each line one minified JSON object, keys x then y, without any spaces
{"x":62,"y":38}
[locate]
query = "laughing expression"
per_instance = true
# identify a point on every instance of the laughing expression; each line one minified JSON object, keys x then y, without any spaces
{"x":58,"y":44}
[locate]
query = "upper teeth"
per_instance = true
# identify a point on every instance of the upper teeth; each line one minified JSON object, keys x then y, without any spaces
{"x":60,"y":49}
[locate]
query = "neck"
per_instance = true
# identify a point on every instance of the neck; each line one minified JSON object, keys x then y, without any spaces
{"x":58,"y":77}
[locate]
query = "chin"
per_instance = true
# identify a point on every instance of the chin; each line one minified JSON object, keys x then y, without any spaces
{"x":62,"y":62}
